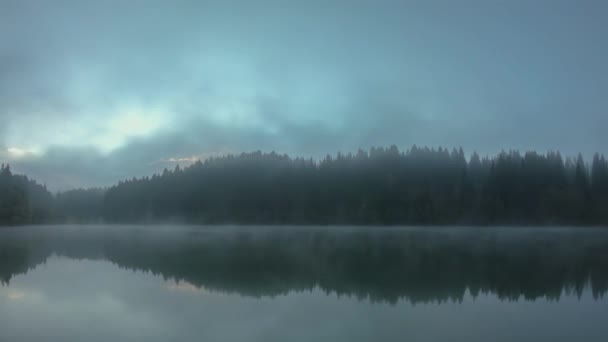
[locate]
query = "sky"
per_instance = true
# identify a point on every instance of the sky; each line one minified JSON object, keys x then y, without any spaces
{"x":92,"y":92}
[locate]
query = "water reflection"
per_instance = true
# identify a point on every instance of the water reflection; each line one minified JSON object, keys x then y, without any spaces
{"x":380,"y":265}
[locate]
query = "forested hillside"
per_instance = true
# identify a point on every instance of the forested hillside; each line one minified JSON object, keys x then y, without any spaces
{"x":379,"y":186}
{"x":23,"y":200}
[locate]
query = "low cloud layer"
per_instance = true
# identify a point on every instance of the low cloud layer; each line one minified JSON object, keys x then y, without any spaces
{"x":93,"y":92}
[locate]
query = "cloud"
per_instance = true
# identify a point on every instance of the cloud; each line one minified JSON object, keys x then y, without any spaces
{"x":106,"y":90}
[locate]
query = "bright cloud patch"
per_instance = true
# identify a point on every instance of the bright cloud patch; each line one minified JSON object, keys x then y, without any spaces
{"x":18,"y":152}
{"x":105,"y":133}
{"x":132,"y":123}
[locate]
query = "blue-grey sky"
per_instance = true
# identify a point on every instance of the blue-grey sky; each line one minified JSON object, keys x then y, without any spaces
{"x":96,"y":91}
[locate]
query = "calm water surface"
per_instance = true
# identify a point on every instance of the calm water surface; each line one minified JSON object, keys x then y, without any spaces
{"x":137,"y":283}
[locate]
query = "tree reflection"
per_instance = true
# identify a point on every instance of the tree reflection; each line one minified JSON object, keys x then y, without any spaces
{"x":385,"y":265}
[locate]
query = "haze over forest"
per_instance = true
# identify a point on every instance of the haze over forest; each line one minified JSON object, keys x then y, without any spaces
{"x":379,"y":186}
{"x":324,"y":170}
{"x":97,"y":98}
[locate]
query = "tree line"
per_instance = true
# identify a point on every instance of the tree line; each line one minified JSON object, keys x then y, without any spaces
{"x":382,"y":186}
{"x":24,"y":201}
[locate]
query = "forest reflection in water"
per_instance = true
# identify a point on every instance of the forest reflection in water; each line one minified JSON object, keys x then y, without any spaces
{"x":272,"y":284}
{"x":376,"y":264}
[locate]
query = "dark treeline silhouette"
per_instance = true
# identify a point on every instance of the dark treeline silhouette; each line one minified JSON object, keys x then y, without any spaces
{"x":418,"y":265}
{"x":380,"y":186}
{"x":23,"y":201}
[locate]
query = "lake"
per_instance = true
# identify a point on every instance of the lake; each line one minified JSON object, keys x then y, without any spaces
{"x":181,"y":283}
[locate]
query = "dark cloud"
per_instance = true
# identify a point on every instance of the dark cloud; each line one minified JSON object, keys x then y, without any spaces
{"x":104,"y":90}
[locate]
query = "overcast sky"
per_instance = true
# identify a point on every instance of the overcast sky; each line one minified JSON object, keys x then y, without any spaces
{"x":96,"y":91}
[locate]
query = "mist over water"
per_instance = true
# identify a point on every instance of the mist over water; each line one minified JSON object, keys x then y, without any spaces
{"x":311,"y":283}
{"x":275,"y":171}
